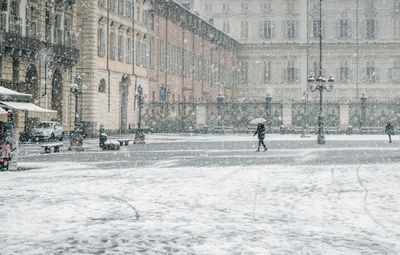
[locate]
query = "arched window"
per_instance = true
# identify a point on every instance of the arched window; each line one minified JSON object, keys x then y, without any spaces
{"x":102,"y":86}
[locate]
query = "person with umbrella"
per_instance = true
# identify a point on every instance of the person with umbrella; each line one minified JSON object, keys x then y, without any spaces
{"x":389,"y":129}
{"x":260,"y":132}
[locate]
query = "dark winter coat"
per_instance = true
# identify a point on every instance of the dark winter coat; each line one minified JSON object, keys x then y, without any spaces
{"x":389,"y":129}
{"x":261,"y":132}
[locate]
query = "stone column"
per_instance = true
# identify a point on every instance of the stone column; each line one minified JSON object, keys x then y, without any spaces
{"x":344,"y":111}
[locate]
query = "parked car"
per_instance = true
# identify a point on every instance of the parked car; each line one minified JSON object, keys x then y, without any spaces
{"x":48,"y":130}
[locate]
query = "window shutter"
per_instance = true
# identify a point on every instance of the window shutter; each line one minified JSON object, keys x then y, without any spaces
{"x":285,"y":29}
{"x":350,"y":30}
{"x":363,"y":74}
{"x":296,"y":29}
{"x":261,"y":29}
{"x":284,"y":75}
{"x":296,"y":74}
{"x":350,"y":74}
{"x":338,"y":74}
{"x":376,"y":28}
{"x":376,"y":74}
{"x":363,"y":29}
{"x":273,"y":25}
{"x":390,"y":74}
{"x":338,"y":29}
{"x":323,"y":29}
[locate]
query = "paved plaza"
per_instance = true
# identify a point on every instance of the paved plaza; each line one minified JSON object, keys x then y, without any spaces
{"x":205,"y":194}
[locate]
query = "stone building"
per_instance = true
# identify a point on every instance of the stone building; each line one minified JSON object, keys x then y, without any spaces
{"x":38,"y":53}
{"x":158,"y":44}
{"x":280,"y":48}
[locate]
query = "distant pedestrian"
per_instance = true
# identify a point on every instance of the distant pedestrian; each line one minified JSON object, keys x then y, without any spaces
{"x":389,"y":129}
{"x":261,"y":135}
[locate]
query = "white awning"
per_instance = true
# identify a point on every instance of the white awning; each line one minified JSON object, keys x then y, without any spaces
{"x":26,"y":107}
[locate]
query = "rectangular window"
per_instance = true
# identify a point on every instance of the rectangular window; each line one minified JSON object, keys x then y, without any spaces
{"x":244,"y":29}
{"x":226,"y":7}
{"x":396,"y":27}
{"x":114,"y":5}
{"x":395,"y":71}
{"x":152,"y":21}
{"x":244,"y":71}
{"x":267,"y":71}
{"x":244,"y":5}
{"x":370,"y":4}
{"x":112,"y":45}
{"x":396,"y":4}
{"x":144,"y":54}
{"x":101,"y":44}
{"x":343,"y":28}
{"x":101,"y":3}
{"x":291,"y":5}
{"x":173,"y":59}
{"x":162,"y":56}
{"x":138,"y":12}
{"x":266,"y":29}
{"x":226,"y":27}
{"x":291,"y":72}
{"x":371,"y":28}
{"x":138,"y":49}
{"x":58,"y":31}
{"x":343,"y":71}
{"x":152,"y":53}
{"x":208,"y":7}
{"x":121,"y":7}
{"x":129,"y":9}
{"x":265,"y":5}
{"x":291,"y":29}
{"x":371,"y":72}
{"x":168,"y":60}
{"x":121,"y":48}
{"x":128,"y":50}
{"x":179,"y":61}
{"x":144,"y":17}
{"x":316,"y":28}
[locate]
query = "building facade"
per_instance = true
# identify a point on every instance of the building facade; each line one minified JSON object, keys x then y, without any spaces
{"x":280,"y":48}
{"x":160,"y":45}
{"x":38,"y":54}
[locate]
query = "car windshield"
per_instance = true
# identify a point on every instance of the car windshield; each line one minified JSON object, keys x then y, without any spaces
{"x":44,"y":125}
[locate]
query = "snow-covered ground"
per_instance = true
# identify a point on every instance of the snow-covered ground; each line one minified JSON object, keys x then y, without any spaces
{"x":77,"y":208}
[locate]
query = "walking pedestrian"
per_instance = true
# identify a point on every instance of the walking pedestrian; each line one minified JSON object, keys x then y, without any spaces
{"x":261,"y":135}
{"x":389,"y":129}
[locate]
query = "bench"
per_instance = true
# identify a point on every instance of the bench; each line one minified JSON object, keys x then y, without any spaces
{"x":124,"y":141}
{"x":47,"y":147}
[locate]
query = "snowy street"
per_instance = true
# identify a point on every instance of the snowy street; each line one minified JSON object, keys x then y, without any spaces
{"x":206,"y":195}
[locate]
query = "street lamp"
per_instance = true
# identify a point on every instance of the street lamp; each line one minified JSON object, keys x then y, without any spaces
{"x":320,"y":86}
{"x":220,"y":100}
{"x":363,"y":109}
{"x":305,"y":98}
{"x":76,"y":142}
{"x":268,"y":100}
{"x":139,"y":134}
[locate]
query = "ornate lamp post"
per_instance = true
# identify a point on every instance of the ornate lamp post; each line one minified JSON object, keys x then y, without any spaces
{"x":363,"y":109}
{"x":220,"y":100}
{"x":320,"y":86}
{"x":139,"y":134}
{"x":268,"y":100}
{"x":306,"y":99}
{"x":76,"y":141}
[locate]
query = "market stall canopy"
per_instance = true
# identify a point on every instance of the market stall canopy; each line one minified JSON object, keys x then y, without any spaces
{"x":11,"y":95}
{"x":23,"y":106}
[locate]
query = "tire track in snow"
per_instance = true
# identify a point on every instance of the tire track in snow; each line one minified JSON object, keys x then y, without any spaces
{"x":365,"y":201}
{"x":256,"y":194}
